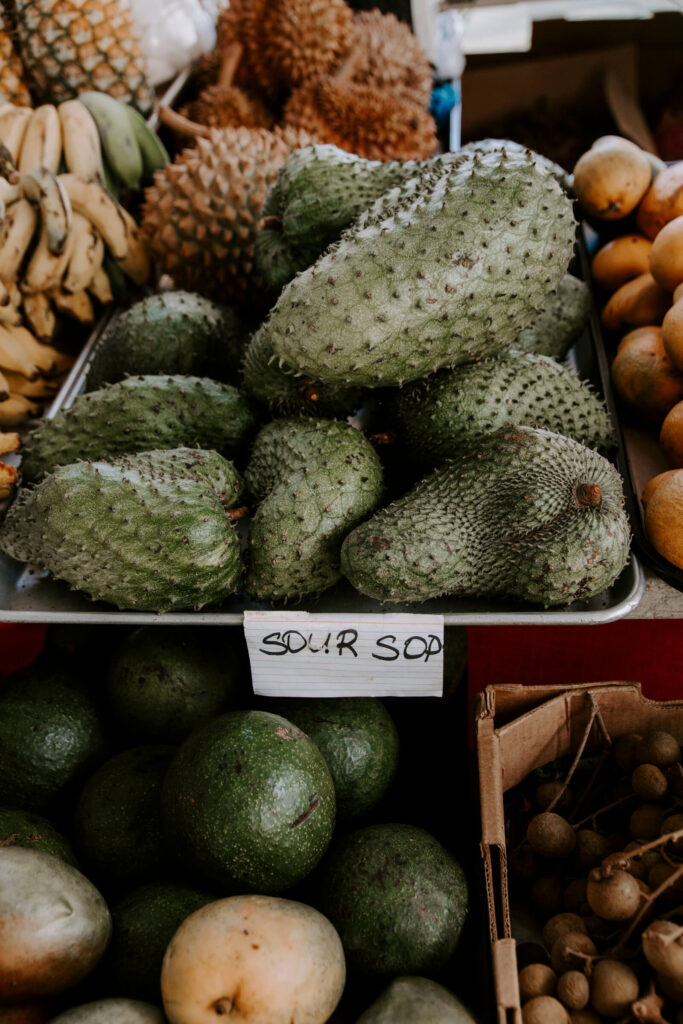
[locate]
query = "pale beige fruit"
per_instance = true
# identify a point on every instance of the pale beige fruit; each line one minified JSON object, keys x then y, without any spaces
{"x":666,"y":255}
{"x":620,"y":261}
{"x":256,"y":959}
{"x":611,"y":179}
{"x":544,"y":1010}
{"x":639,"y":302}
{"x":536,"y":980}
{"x":662,"y":202}
{"x":614,"y":986}
{"x":663,"y":501}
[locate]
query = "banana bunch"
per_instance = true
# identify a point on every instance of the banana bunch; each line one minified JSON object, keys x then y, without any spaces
{"x":64,"y":238}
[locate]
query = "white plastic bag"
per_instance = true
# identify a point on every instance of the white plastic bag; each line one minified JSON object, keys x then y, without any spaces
{"x":173,"y":33}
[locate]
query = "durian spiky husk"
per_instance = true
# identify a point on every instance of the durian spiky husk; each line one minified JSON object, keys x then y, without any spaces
{"x":13,"y":88}
{"x":202,"y":213}
{"x":363,"y":120}
{"x":304,"y":40}
{"x":385,"y":54}
{"x":242,"y":23}
{"x":220,"y":106}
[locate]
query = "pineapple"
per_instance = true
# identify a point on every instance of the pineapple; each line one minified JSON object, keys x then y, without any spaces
{"x":13,"y":88}
{"x":70,"y":46}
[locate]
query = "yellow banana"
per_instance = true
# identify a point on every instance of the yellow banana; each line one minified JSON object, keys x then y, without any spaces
{"x":136,"y":262}
{"x":15,"y":410}
{"x":19,"y":228}
{"x":42,"y":357}
{"x":45,"y":269}
{"x":5,"y":299}
{"x":100,"y":287}
{"x":8,"y":479}
{"x":95,"y":203}
{"x":40,"y":316}
{"x":9,"y":443}
{"x":40,"y":388}
{"x":81,"y":141}
{"x":87,"y":253}
{"x":5,"y":386}
{"x":9,"y":193}
{"x":13,"y":354}
{"x":77,"y":304}
{"x":42,"y":145}
{"x":10,"y":314}
{"x":45,"y":188}
{"x":13,"y":124}
{"x":63,"y":362}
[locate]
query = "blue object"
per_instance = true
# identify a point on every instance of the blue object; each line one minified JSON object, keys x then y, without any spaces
{"x":444,"y":99}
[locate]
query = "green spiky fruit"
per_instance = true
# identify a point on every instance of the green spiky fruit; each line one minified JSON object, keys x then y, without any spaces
{"x":560,"y":322}
{"x":172,"y":332}
{"x":415,"y":1000}
{"x":317,"y":478}
{"x":443,"y":413}
{"x":445,"y":269}
{"x":139,"y":414}
{"x":485,"y":147}
{"x":524,"y":513}
{"x":287,"y":395}
{"x":148,"y":531}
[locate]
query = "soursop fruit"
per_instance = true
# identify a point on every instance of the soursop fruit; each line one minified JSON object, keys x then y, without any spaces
{"x":445,"y":412}
{"x":172,"y":332}
{"x":524,"y":513}
{"x":139,"y":414}
{"x":414,"y":1000}
{"x":560,"y":322}
{"x":149,"y":531}
{"x":316,"y":480}
{"x":285,"y":394}
{"x":443,"y":270}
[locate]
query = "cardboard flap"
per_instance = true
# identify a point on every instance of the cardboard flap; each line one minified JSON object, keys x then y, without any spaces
{"x":507,"y":984}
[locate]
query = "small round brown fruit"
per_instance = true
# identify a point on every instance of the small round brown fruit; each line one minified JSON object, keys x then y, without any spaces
{"x":546,"y":793}
{"x":615,"y":896}
{"x":570,"y":952}
{"x":658,"y":747}
{"x":573,"y":990}
{"x":646,"y":821}
{"x":544,"y":1010}
{"x":672,"y":895}
{"x":674,"y":823}
{"x":551,"y":835}
{"x":559,"y":925}
{"x":671,"y":987}
{"x":536,"y":980}
{"x":575,"y":901}
{"x":663,"y":948}
{"x":524,"y":864}
{"x":649,"y":782}
{"x":624,"y":750}
{"x":591,"y":848}
{"x":614,"y":987}
{"x":585,"y":1016}
{"x":547,"y":894}
{"x":674,"y":776}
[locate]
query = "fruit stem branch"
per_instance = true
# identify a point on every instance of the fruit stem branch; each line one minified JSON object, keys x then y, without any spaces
{"x":666,"y":838}
{"x":601,"y":810}
{"x":231,"y":59}
{"x":183,"y":125}
{"x":647,"y":901}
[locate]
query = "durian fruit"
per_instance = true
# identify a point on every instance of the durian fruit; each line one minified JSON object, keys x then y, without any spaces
{"x":440,"y":415}
{"x":242,"y":22}
{"x":223,"y":105}
{"x":13,"y":87}
{"x":560,"y":322}
{"x":72,"y":46}
{"x":149,"y":531}
{"x":385,"y":54}
{"x":139,"y":414}
{"x":202,"y":213}
{"x":442,"y":270}
{"x":523,"y":513}
{"x":303,"y":40}
{"x":362,"y":119}
{"x":317,"y":479}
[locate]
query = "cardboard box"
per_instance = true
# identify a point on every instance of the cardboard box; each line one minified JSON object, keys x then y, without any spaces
{"x":519,"y":729}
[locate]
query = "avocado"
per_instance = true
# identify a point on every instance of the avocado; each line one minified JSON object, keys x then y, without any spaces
{"x":248,"y":802}
{"x":117,"y":823}
{"x":397,"y":897}
{"x":163,"y":683}
{"x":359,"y":741}
{"x":412,"y":1000}
{"x":144,"y":923}
{"x":22,"y":828}
{"x":50,"y":737}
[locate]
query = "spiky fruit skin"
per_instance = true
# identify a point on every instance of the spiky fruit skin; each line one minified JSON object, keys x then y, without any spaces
{"x":228,"y":107}
{"x":443,"y":413}
{"x":362,"y":119}
{"x":242,"y":22}
{"x":171,"y":332}
{"x":443,"y":270}
{"x":507,"y":517}
{"x":385,"y":54}
{"x":560,"y":322}
{"x":319,"y":479}
{"x":139,"y":414}
{"x":147,"y":531}
{"x":13,"y":87}
{"x":203,"y":211}
{"x":488,"y":147}
{"x":285,"y":394}
{"x":303,"y":40}
{"x":71,"y":46}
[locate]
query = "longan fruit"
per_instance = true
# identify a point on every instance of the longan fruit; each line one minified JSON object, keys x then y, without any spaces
{"x":614,"y":986}
{"x":570,"y":950}
{"x":662,"y":952}
{"x":574,"y":900}
{"x":671,"y":987}
{"x":546,"y":793}
{"x":547,"y":893}
{"x":591,"y":848}
{"x":524,"y":864}
{"x":674,"y":776}
{"x":659,"y":748}
{"x":615,"y":896}
{"x":672,"y":824}
{"x":573,"y":990}
{"x":624,"y":750}
{"x":561,"y":924}
{"x":551,"y":835}
{"x":671,"y":896}
{"x":585,"y":1016}
{"x":646,"y":821}
{"x":536,"y":980}
{"x":544,"y":1010}
{"x":649,"y":782}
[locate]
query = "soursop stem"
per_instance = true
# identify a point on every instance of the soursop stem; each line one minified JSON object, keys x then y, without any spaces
{"x":587,"y":495}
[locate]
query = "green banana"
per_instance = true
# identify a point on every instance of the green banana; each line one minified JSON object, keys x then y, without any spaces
{"x":119,"y":142}
{"x":154,"y":153}
{"x":117,"y":278}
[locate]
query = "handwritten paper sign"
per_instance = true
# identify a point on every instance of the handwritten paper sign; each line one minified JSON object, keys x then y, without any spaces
{"x":304,"y":654}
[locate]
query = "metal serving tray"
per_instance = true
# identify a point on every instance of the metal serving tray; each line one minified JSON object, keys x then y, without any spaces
{"x":30,"y":595}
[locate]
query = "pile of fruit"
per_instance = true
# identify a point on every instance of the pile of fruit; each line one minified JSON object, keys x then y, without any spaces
{"x":596,"y":850}
{"x":412,"y":300}
{"x":217,"y":854}
{"x":640,"y":271}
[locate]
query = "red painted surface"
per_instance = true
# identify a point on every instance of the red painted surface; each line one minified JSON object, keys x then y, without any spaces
{"x":20,"y":645}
